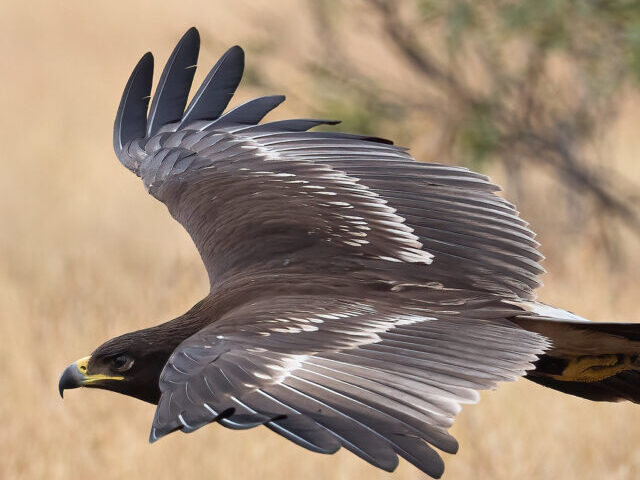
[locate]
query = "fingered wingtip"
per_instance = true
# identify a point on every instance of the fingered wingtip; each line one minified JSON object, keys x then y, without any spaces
{"x":192,"y":32}
{"x":174,"y":84}
{"x":131,"y":119}
{"x":236,"y":52}
{"x":218,"y":87}
{"x":144,"y":64}
{"x":147,"y":57}
{"x":190,"y":38}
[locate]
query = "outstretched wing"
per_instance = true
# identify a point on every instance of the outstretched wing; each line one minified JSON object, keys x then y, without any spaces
{"x":374,"y":281}
{"x":381,"y":381}
{"x":275,"y":198}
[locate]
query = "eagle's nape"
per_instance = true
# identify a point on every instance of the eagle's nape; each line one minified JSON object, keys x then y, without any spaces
{"x":358,"y":297}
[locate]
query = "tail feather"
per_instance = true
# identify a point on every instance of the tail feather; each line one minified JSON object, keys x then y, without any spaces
{"x":596,"y":361}
{"x":620,"y":387}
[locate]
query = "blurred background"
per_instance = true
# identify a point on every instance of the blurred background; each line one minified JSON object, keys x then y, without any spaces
{"x":542,"y":95}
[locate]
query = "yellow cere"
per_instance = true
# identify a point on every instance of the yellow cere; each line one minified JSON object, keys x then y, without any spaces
{"x":82,"y":366}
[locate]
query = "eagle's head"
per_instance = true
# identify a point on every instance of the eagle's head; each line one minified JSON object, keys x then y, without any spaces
{"x":129,"y":364}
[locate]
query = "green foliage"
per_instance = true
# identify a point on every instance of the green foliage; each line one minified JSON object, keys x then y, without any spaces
{"x":460,"y":19}
{"x":632,"y":35}
{"x":358,"y":107}
{"x":542,"y":21}
{"x":478,"y":135}
{"x":599,"y":40}
{"x":354,"y":116}
{"x":519,"y":82}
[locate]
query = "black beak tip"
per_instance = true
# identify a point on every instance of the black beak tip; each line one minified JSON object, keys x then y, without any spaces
{"x":70,"y":378}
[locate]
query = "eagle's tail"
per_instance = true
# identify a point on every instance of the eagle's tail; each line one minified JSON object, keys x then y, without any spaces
{"x":597,"y":361}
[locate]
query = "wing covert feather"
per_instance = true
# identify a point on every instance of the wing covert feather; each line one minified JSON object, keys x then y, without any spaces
{"x":353,"y":383}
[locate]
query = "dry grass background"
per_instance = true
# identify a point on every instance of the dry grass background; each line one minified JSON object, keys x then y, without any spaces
{"x":87,"y":255}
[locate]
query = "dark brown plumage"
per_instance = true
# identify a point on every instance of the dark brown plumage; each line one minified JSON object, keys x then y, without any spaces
{"x":358,"y":297}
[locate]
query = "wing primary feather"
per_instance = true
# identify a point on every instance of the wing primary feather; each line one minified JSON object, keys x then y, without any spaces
{"x":387,"y":427}
{"x":175,"y":82}
{"x":354,"y":436}
{"x":292,"y":425}
{"x":249,"y":113}
{"x":293,"y":125}
{"x":218,"y":87}
{"x":131,"y":119}
{"x":293,"y":435}
{"x":379,"y":397}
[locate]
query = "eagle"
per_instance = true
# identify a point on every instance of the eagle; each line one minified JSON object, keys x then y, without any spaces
{"x":357,"y":297}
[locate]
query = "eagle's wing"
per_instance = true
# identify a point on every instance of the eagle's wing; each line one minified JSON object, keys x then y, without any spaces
{"x":324,"y":372}
{"x":334,"y":233}
{"x":276,"y":199}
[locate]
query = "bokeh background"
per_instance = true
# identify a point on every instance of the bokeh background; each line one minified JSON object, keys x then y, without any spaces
{"x":541,"y":95}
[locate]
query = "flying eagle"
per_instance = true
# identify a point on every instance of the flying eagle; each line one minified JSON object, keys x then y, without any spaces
{"x":357,"y":297}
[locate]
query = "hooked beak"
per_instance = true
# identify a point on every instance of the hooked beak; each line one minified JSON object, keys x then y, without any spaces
{"x":75,"y":375}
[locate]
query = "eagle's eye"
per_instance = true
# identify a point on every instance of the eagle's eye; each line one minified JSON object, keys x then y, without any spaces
{"x":122,"y":363}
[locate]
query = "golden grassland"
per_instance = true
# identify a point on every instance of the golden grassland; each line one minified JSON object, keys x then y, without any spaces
{"x":87,"y":255}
